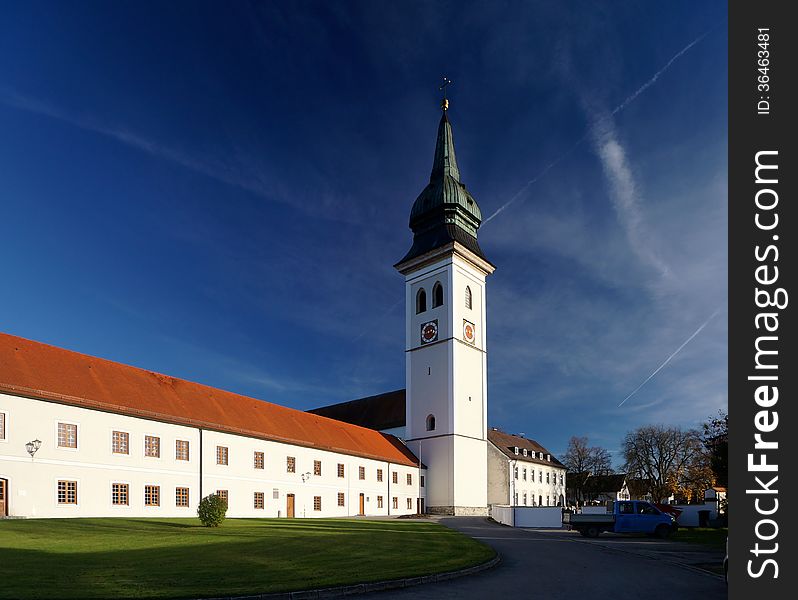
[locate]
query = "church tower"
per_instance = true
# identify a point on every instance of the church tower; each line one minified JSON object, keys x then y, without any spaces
{"x":446,"y":357}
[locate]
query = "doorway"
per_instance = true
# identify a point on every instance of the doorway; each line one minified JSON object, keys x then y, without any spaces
{"x":289,"y":506}
{"x":362,"y":505}
{"x":420,"y":506}
{"x":3,"y":496}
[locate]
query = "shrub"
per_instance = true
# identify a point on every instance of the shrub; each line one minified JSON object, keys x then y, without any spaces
{"x":212,"y":510}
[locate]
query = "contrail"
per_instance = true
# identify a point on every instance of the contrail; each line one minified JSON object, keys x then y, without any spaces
{"x":667,"y":360}
{"x":616,"y":110}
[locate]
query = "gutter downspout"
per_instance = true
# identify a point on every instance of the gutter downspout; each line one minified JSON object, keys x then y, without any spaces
{"x":200,"y":463}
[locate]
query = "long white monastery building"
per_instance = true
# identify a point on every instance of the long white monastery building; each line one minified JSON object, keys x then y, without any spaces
{"x":84,"y":436}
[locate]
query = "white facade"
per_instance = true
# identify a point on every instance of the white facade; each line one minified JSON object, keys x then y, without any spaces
{"x":96,"y":470}
{"x":522,"y":482}
{"x":446,"y":374}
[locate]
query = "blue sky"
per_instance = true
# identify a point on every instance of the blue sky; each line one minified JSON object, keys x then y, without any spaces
{"x":218,"y":191}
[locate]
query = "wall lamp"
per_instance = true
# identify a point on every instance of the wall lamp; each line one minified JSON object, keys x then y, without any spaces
{"x":33,"y":447}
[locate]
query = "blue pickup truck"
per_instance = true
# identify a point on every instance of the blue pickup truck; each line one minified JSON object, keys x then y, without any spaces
{"x":627,"y":516}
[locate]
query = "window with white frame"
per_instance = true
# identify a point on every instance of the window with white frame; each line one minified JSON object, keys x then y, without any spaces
{"x":119,"y":494}
{"x":120,"y":442}
{"x":152,"y":495}
{"x":152,"y":446}
{"x":67,"y":492}
{"x":67,"y":435}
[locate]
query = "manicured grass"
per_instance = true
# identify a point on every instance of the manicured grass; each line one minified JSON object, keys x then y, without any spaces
{"x":713,"y":538}
{"x":179,"y":558}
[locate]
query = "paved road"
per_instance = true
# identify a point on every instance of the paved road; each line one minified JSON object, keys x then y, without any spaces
{"x":560,"y":565}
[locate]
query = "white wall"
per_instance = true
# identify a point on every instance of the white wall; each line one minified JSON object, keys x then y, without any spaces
{"x":689,"y":516}
{"x":33,"y":482}
{"x":528,"y":516}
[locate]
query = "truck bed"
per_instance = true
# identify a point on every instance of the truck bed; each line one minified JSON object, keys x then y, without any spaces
{"x":575,"y":519}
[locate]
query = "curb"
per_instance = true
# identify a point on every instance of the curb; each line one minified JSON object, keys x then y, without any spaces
{"x":364,"y":588}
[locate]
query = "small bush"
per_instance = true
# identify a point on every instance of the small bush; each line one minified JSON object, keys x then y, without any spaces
{"x":212,"y":510}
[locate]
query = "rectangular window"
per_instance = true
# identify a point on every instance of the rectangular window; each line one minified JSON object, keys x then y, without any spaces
{"x":120,"y":442}
{"x":395,"y":502}
{"x":259,"y":460}
{"x":275,"y":494}
{"x":515,"y":472}
{"x":379,"y":474}
{"x":316,"y":502}
{"x":258,"y":500}
{"x":409,"y":503}
{"x":340,"y":470}
{"x":222,"y":494}
{"x":317,"y":467}
{"x":395,"y":477}
{"x":2,"y":426}
{"x":181,"y":496}
{"x":67,"y":492}
{"x":67,"y":435}
{"x":152,"y":446}
{"x":547,"y":477}
{"x":561,"y":478}
{"x":181,"y":449}
{"x":119,"y":493}
{"x":340,"y":499}
{"x":290,"y":464}
{"x":221,"y":455}
{"x":524,"y":474}
{"x":409,"y":479}
{"x":152,"y":495}
{"x":422,"y":481}
{"x":379,"y":501}
{"x":361,"y":473}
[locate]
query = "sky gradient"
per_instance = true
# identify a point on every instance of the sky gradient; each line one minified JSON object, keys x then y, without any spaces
{"x":218,"y":191}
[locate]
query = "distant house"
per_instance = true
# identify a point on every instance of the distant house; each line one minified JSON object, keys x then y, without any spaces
{"x":600,"y":489}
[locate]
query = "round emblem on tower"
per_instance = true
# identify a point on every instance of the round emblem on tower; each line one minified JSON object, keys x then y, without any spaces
{"x":469,"y":333}
{"x":429,"y":331}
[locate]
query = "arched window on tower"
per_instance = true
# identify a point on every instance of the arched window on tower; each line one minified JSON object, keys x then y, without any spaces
{"x":468,"y":298}
{"x":430,"y":422}
{"x":437,"y":295}
{"x":421,"y":301}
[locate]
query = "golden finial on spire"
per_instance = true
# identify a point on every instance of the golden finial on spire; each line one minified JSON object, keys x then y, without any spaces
{"x":444,"y":101}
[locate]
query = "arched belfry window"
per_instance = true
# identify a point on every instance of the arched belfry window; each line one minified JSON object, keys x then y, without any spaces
{"x":468,"y":299}
{"x":430,"y":422}
{"x":421,"y":301}
{"x":437,"y":295}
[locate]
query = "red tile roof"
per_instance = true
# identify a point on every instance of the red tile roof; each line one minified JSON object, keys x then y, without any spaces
{"x":507,"y":442}
{"x":37,"y":370}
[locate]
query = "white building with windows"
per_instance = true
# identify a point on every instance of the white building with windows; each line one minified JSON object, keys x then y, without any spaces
{"x":522,"y":472}
{"x":84,"y":436}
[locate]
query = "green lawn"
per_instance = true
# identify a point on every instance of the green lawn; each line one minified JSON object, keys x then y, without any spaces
{"x":174,"y":558}
{"x":713,"y":538}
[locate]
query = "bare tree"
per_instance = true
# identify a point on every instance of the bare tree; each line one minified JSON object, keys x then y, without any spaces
{"x":665,"y":456}
{"x":582,"y":461}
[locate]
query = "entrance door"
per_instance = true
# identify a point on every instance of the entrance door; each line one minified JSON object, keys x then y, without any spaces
{"x":289,"y":506}
{"x":420,"y":506}
{"x":362,"y":505}
{"x":3,"y":495}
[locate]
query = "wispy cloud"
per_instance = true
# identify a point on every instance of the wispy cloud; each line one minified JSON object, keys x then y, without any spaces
{"x":599,"y":123}
{"x":674,"y":353}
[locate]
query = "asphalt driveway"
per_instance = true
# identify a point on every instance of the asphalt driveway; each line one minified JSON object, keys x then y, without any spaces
{"x":556,"y":564}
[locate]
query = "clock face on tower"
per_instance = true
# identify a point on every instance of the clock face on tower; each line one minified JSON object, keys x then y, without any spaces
{"x":429,"y":331}
{"x":469,"y":333}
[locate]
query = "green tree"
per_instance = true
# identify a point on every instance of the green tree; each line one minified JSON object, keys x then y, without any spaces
{"x":212,"y":510}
